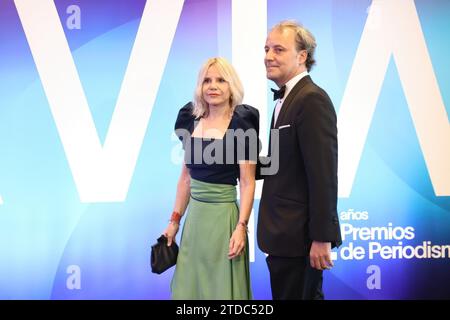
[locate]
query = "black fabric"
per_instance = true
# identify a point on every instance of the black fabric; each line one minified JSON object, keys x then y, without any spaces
{"x":299,"y":203}
{"x":162,"y":256}
{"x":226,"y":170}
{"x":278,"y":94}
{"x":294,"y":279}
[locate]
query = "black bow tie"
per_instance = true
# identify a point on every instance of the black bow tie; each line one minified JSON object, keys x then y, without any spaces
{"x":278,"y":94}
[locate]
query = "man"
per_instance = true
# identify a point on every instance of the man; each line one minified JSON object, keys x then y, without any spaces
{"x":298,"y":224}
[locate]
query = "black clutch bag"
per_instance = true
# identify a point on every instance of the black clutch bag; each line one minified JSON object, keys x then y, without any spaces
{"x":162,"y":256}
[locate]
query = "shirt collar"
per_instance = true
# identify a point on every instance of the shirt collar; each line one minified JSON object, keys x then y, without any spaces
{"x":291,"y":83}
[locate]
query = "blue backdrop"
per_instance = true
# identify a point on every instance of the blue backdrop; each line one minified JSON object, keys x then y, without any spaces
{"x":65,"y":235}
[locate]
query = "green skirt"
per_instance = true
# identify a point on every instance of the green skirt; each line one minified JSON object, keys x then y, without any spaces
{"x":203,"y":270}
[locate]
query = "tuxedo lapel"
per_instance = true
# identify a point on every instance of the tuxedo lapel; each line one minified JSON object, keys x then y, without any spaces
{"x":287,"y":103}
{"x":270,"y":133}
{"x":273,"y":117}
{"x":303,"y":81}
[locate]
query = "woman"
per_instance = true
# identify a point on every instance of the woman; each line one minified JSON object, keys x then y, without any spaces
{"x":213,"y":261}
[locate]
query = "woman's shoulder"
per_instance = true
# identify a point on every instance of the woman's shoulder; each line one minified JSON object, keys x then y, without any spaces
{"x":246,"y":110}
{"x":185,"y":117}
{"x":246,"y":116}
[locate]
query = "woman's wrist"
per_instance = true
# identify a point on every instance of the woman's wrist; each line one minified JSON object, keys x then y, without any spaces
{"x":175,"y":218}
{"x":173,"y":223}
{"x":242,"y":224}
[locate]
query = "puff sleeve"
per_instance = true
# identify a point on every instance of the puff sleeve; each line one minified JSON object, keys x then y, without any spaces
{"x":184,"y":123}
{"x":247,"y":133}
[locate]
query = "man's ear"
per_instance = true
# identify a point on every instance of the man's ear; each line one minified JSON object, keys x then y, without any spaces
{"x":302,"y":55}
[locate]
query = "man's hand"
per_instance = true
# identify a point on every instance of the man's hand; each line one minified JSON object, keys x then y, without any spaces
{"x":320,"y":255}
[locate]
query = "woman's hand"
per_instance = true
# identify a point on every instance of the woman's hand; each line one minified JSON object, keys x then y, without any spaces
{"x":237,"y":241}
{"x":171,"y":232}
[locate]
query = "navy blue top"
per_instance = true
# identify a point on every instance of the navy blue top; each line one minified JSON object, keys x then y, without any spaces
{"x":216,"y":160}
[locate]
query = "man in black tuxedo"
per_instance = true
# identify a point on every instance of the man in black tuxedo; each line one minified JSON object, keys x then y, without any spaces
{"x":298,"y":223}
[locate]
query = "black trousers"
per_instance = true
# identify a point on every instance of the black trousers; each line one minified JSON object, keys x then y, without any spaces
{"x":294,"y":279}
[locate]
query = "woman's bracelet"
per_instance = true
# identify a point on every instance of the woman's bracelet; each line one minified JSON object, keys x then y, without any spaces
{"x":175,"y":218}
{"x":244,"y":224}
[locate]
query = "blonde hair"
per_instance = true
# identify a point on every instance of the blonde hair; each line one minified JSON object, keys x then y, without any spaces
{"x":228,"y":73}
{"x":304,"y":40}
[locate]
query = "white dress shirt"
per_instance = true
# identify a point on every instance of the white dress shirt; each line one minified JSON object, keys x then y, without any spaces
{"x":289,"y":85}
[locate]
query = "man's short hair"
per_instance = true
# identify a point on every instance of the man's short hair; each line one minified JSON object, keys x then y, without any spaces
{"x":304,"y":40}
